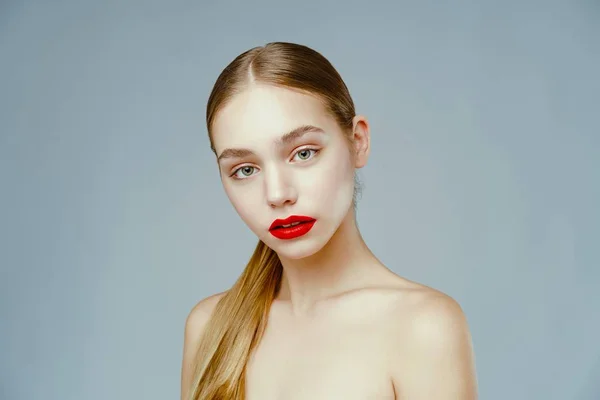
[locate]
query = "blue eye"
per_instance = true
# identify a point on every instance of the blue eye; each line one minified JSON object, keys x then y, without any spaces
{"x":306,"y":154}
{"x":246,"y":171}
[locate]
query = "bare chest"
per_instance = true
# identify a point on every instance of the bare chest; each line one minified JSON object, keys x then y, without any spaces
{"x":327,"y":361}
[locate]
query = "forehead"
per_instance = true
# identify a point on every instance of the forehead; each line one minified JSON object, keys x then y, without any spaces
{"x":262,"y":113}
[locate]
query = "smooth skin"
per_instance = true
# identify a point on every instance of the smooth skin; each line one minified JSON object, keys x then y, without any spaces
{"x":343,"y":326}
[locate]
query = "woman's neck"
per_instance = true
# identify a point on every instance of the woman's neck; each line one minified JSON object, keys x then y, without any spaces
{"x":345,"y":263}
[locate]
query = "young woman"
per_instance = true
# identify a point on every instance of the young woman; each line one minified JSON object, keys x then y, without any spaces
{"x":315,"y":315}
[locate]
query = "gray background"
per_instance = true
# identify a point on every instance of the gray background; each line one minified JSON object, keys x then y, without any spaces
{"x":483,"y":180}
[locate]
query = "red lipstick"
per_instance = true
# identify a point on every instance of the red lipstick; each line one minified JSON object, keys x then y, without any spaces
{"x":292,"y":227}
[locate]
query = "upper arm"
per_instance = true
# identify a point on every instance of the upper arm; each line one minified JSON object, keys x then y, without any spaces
{"x":194,"y":326}
{"x":435,"y":357}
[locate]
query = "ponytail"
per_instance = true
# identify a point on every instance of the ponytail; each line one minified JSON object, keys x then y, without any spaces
{"x":235,"y":328}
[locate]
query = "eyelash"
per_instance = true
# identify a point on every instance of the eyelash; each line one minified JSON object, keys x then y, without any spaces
{"x":315,"y":152}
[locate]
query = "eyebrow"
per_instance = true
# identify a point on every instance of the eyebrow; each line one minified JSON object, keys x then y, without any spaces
{"x":287,"y":138}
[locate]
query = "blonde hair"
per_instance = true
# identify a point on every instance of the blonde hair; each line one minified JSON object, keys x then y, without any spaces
{"x":239,"y":319}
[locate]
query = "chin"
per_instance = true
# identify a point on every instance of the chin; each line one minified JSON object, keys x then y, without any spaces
{"x":302,"y":247}
{"x":296,"y":251}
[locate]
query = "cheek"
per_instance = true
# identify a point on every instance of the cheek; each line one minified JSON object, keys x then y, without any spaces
{"x":334,"y":184}
{"x":246,"y":203}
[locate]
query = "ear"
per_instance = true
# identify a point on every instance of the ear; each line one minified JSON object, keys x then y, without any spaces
{"x":361,"y":140}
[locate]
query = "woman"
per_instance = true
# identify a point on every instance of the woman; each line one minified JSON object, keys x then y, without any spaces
{"x":315,"y":315}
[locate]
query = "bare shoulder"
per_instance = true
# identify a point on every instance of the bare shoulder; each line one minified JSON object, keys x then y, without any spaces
{"x":422,"y":316}
{"x":430,"y":340}
{"x":200,"y":314}
{"x":404,"y":304}
{"x":423,"y":308}
{"x":194,"y":326}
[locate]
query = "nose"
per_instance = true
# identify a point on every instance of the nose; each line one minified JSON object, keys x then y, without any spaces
{"x":279,"y":188}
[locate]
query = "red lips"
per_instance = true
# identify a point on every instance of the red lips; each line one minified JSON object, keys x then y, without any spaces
{"x":302,"y":225}
{"x":289,"y":220}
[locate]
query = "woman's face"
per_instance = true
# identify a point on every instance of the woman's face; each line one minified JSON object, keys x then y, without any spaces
{"x":269,"y":175}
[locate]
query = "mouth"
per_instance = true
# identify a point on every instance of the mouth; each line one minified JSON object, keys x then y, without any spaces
{"x":291,"y":227}
{"x":290,"y":222}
